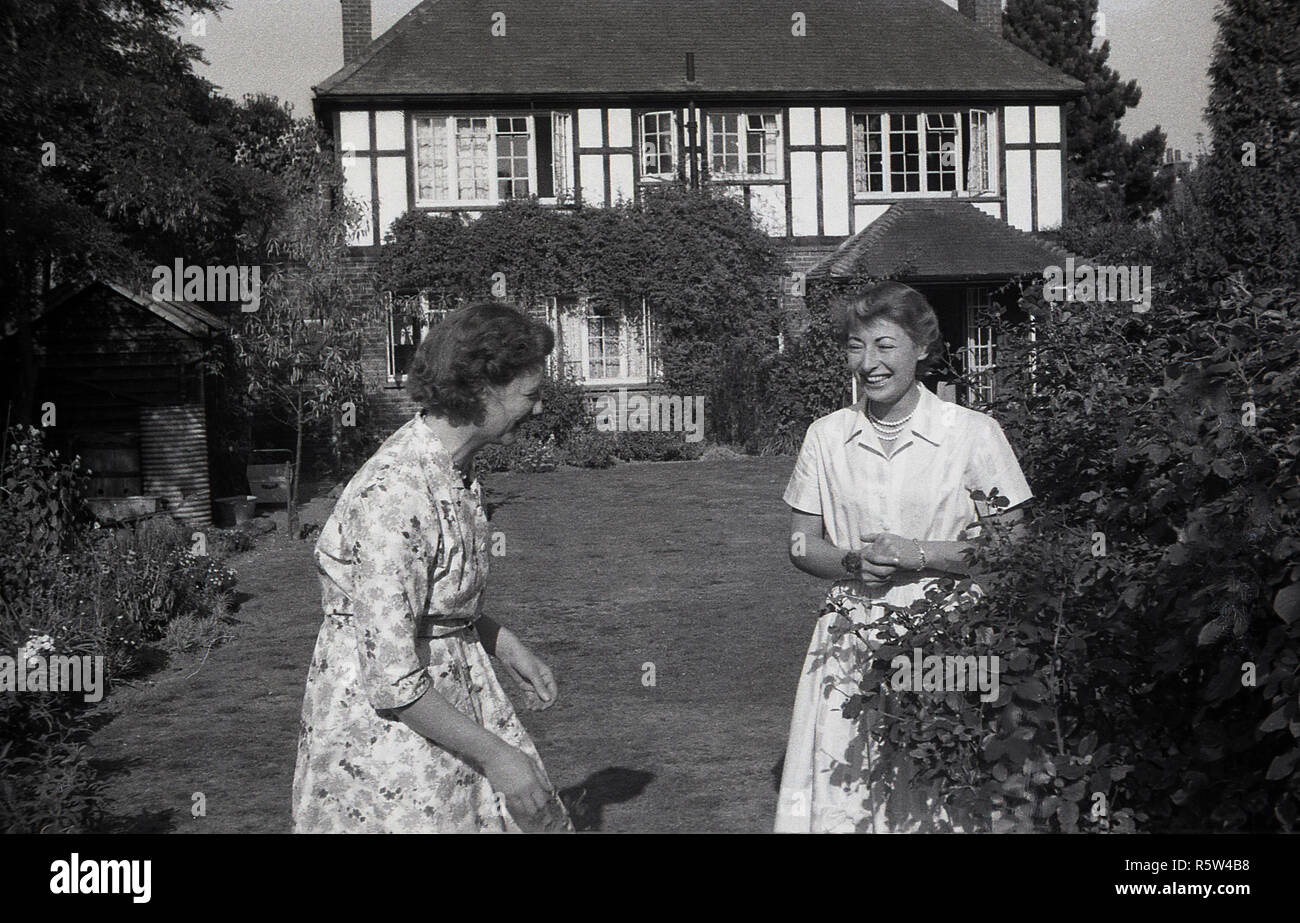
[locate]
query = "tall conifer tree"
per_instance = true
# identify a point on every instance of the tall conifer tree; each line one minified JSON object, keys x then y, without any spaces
{"x":1062,"y":33}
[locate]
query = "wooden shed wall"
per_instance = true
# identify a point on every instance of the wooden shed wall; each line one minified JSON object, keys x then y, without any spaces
{"x":103,"y":357}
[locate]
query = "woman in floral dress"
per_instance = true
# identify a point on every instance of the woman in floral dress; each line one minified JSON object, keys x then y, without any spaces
{"x":405,"y":727}
{"x":880,"y":503}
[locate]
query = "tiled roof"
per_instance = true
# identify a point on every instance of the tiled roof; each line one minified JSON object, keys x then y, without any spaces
{"x":939,"y":239}
{"x":631,"y":47}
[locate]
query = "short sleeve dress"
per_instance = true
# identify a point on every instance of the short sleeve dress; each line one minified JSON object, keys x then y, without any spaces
{"x":403,"y":563}
{"x":921,"y":491}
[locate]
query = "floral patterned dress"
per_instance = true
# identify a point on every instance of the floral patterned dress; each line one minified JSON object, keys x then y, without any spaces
{"x":403,"y":563}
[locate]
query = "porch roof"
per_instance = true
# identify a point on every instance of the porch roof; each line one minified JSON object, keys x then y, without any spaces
{"x":939,"y":240}
{"x":628,"y":48}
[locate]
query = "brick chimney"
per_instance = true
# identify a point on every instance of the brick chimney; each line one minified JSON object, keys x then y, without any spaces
{"x":357,"y":29}
{"x":986,"y":13}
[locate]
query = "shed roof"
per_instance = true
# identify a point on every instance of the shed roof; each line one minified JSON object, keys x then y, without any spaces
{"x":189,"y":318}
{"x":914,"y":48}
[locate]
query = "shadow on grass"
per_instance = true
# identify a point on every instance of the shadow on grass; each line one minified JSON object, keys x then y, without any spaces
{"x":586,"y":801}
{"x":493,"y":499}
{"x":144,"y":822}
{"x":141,"y":822}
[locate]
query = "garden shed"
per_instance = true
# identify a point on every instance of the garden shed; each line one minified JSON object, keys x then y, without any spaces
{"x":121,"y":376}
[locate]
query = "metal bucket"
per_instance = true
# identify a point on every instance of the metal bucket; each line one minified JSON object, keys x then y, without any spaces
{"x":174,"y":460}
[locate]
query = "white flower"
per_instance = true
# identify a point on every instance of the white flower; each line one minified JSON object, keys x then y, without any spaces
{"x":35,"y":646}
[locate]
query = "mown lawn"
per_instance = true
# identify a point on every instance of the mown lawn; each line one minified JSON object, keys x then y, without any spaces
{"x":679,"y":565}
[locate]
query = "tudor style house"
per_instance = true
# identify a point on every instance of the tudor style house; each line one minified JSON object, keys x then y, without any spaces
{"x":881,"y":137}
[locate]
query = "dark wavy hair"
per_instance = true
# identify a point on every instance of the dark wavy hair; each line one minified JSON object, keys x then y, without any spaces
{"x":894,"y":301}
{"x":481,"y":344}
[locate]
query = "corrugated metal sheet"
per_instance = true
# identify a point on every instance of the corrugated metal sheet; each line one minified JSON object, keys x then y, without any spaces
{"x":174,"y":460}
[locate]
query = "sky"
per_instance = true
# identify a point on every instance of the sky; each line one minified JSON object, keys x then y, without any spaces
{"x":282,"y":47}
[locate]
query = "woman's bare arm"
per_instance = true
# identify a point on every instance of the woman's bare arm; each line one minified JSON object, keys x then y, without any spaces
{"x":432,"y":716}
{"x":813,"y":554}
{"x":883,"y":553}
{"x":904,"y":553}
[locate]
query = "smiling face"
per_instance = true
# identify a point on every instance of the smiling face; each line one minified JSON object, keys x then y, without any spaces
{"x":510,"y":405}
{"x":883,"y":357}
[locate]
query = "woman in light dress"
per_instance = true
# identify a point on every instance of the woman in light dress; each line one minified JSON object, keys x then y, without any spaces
{"x":880,"y":502}
{"x":405,"y":727}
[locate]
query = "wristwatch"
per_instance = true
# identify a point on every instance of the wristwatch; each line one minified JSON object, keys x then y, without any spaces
{"x":853,"y":563}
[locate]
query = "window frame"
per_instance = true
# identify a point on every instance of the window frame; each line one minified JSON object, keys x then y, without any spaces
{"x":743,"y":132}
{"x":453,"y":172}
{"x":584,"y":357}
{"x":561,"y":152}
{"x":674,"y":151}
{"x":980,"y":353}
{"x":962,"y":135}
{"x":394,"y":376}
{"x":990,"y":177}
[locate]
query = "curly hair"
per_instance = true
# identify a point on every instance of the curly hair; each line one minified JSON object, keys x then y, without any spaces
{"x":893,"y":301}
{"x":481,"y":344}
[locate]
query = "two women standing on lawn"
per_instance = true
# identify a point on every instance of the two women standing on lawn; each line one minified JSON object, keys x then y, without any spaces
{"x":880,"y":503}
{"x":405,"y":727}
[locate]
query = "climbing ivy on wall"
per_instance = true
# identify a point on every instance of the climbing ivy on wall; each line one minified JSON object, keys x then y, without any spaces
{"x":710,"y":276}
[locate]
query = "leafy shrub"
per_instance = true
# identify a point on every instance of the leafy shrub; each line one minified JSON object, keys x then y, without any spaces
{"x":200,"y":581}
{"x":188,"y":633}
{"x":565,"y":412}
{"x":47,"y":782}
{"x":527,"y":453}
{"x":1147,"y":615}
{"x":222,"y":543}
{"x":41,"y":500}
{"x":82,"y":591}
{"x":692,"y":256}
{"x":656,"y":447}
{"x":590,"y":450}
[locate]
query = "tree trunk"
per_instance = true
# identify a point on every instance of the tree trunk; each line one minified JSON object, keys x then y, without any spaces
{"x":297,"y":469}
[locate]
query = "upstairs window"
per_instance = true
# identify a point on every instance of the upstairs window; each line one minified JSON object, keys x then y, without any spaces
{"x":922,"y":153}
{"x":554,"y":147}
{"x":514,"y":169}
{"x":941,"y":154}
{"x":473,"y":160}
{"x":659,"y":145}
{"x":744,"y":145}
{"x":979,"y":171}
{"x":903,"y":157}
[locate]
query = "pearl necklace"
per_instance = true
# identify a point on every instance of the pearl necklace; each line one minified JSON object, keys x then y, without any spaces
{"x":887,"y":429}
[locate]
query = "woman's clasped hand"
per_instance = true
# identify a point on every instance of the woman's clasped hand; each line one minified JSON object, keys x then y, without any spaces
{"x":884,"y":554}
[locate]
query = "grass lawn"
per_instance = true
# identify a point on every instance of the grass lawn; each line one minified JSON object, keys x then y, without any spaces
{"x":680,"y":565}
